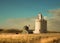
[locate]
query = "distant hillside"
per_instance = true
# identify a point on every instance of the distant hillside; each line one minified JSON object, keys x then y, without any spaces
{"x":10,"y":31}
{"x":20,"y":31}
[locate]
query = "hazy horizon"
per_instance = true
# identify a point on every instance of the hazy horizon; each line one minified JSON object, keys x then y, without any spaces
{"x":17,"y":13}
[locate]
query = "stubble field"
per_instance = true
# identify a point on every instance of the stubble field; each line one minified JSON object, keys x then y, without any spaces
{"x":30,"y":38}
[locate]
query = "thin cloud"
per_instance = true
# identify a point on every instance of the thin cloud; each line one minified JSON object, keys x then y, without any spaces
{"x":19,"y":23}
{"x":54,"y":21}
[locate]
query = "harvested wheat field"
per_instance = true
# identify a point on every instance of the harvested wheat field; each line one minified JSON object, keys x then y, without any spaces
{"x":30,"y":38}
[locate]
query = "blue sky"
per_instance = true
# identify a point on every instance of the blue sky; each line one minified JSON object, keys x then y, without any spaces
{"x":25,"y":8}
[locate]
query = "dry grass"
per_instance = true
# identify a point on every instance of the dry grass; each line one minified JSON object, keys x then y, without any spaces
{"x":30,"y":38}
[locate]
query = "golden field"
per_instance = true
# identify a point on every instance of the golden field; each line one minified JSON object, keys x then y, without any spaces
{"x":30,"y":38}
